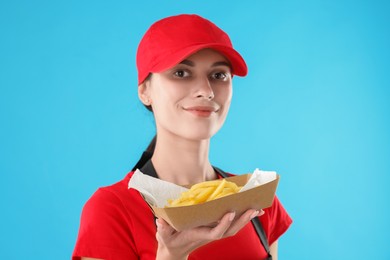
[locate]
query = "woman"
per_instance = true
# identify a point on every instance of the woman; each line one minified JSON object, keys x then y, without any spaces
{"x":185,"y":68}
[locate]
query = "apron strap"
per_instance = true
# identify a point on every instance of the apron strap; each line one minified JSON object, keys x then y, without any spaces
{"x":145,"y":157}
{"x":255,"y":222}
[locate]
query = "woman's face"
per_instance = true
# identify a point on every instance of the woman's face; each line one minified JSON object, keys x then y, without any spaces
{"x":191,"y":100}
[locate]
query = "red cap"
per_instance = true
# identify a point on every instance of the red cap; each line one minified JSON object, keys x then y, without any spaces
{"x":172,"y":39}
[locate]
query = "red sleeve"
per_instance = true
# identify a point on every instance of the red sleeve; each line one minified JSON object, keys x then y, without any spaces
{"x":275,"y":221}
{"x":105,"y":229}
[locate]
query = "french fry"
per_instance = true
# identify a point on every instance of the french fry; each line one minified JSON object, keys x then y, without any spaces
{"x":206,"y":184}
{"x":205,"y":191}
{"x":217,"y":190}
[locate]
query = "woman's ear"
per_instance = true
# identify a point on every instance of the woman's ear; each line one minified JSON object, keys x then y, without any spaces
{"x":144,"y":93}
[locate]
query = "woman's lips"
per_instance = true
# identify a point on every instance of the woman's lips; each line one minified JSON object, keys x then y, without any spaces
{"x":201,"y":111}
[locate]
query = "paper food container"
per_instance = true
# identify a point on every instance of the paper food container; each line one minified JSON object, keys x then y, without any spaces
{"x":208,"y":213}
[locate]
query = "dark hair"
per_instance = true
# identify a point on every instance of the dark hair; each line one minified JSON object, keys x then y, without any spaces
{"x":152,"y":145}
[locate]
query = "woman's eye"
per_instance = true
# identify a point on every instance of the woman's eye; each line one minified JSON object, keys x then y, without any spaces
{"x":181,"y":73}
{"x":220,"y":75}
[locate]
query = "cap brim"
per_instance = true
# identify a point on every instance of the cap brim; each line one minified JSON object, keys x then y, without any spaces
{"x":238,"y":64}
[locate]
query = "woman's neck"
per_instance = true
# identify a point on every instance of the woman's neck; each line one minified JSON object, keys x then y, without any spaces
{"x":182,"y":161}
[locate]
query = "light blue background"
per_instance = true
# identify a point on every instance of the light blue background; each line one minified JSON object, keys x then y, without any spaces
{"x":314,"y":107}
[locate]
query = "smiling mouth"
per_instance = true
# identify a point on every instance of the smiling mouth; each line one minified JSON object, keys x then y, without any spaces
{"x":201,"y":111}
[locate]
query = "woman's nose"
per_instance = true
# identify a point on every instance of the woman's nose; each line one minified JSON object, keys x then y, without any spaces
{"x":204,"y":89}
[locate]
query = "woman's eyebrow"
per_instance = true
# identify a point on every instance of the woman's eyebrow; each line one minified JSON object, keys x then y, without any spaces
{"x":221,"y":63}
{"x":216,"y":64}
{"x":187,"y":62}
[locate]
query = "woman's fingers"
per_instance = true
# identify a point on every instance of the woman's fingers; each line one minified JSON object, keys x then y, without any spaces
{"x":227,"y":226}
{"x":219,"y":231}
{"x":178,"y":244}
{"x":239,"y":223}
{"x":164,"y":230}
{"x":183,"y":242}
{"x":261,"y":213}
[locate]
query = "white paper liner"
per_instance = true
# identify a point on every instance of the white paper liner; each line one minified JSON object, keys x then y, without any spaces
{"x":157,"y":192}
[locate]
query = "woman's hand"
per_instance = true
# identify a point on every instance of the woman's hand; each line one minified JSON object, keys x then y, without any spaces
{"x":178,"y":245}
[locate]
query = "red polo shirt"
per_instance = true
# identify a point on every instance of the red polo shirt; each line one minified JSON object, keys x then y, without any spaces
{"x":116,"y":223}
